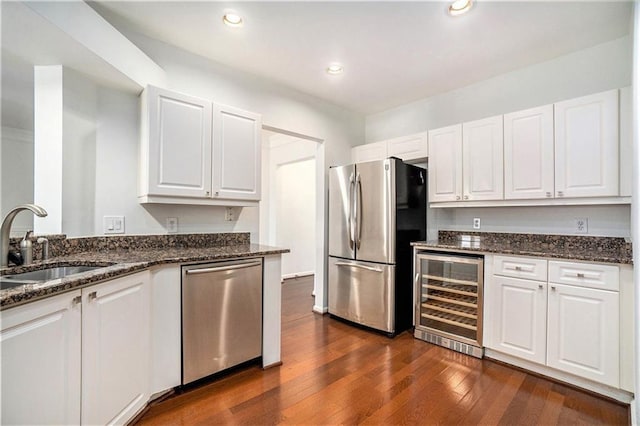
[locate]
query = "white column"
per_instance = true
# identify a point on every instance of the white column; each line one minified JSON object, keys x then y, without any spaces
{"x":48,"y":111}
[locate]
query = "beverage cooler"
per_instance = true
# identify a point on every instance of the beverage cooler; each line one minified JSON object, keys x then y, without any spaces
{"x":448,"y":296}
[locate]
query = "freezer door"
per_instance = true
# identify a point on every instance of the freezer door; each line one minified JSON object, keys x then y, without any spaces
{"x":362,"y":292}
{"x":375,"y":211}
{"x":341,"y":229}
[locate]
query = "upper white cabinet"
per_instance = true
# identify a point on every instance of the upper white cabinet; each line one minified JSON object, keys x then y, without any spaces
{"x":40,"y":344}
{"x":528,"y":154}
{"x":193,"y":151}
{"x":482,"y":163}
{"x":236,"y":153}
{"x":586,"y":146}
{"x":445,"y":164}
{"x":409,"y":148}
{"x":176,"y":144}
{"x":369,"y":152}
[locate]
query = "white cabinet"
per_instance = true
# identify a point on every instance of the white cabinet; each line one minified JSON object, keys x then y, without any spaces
{"x":482,"y":162}
{"x":528,"y":154}
{"x":193,"y":151}
{"x":586,"y":146}
{"x":40,"y":346}
{"x":115,"y":349}
{"x":409,"y":148}
{"x":445,"y":164}
{"x":565,"y":315}
{"x":369,"y":152}
{"x":236,"y":153}
{"x":583,"y":332}
{"x":519,"y":326}
{"x":176,"y":144}
{"x":465,"y":161}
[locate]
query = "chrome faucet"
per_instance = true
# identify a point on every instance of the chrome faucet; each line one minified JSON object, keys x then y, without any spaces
{"x":6,"y":228}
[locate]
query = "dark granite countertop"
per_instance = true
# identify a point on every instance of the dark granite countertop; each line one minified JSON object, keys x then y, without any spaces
{"x":118,"y":262}
{"x":592,"y":249}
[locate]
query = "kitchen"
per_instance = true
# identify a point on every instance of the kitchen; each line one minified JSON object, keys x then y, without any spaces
{"x":105,"y":122}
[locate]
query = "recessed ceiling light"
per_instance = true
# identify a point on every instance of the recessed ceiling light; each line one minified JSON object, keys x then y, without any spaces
{"x":335,"y":69}
{"x":232,"y":19}
{"x":458,"y":7}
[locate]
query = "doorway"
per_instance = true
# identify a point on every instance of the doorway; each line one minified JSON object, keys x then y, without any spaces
{"x":288,"y":207}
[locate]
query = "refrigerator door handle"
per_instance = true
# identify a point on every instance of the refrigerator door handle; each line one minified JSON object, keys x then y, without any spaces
{"x":358,"y":209}
{"x":352,"y":238}
{"x":356,"y":265}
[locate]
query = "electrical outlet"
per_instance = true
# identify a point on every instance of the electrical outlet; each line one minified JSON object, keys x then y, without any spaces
{"x":581,"y":225}
{"x":476,"y":223}
{"x":229,"y":214}
{"x":172,"y":225}
{"x":113,"y":224}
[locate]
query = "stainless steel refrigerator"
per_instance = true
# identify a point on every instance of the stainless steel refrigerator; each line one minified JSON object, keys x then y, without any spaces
{"x":375,"y":210}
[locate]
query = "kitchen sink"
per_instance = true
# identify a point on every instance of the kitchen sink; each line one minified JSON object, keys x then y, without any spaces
{"x":42,"y":275}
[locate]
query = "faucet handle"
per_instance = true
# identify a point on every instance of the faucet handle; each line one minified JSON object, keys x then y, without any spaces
{"x":45,"y":247}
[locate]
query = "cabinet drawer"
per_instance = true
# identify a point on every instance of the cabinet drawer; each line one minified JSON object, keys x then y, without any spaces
{"x":520,"y":267}
{"x":604,"y":277}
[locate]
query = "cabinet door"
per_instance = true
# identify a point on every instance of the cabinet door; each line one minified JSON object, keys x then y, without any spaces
{"x":528,"y":154}
{"x":40,"y":344}
{"x":445,"y":164}
{"x":369,"y":152}
{"x":408,"y":148}
{"x":583,"y":334}
{"x":237,"y":153}
{"x":586,"y":146}
{"x":176,"y":144}
{"x":482,"y":162}
{"x":519,"y":317}
{"x":115,"y":349}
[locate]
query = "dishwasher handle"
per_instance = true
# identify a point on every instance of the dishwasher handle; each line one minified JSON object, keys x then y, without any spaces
{"x":222,"y":268}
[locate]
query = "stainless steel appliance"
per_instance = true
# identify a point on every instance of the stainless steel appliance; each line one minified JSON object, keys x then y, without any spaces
{"x":221,"y":316}
{"x":449,"y":300}
{"x":375,"y":210}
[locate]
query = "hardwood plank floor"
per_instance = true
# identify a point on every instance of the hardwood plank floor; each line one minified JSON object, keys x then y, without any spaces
{"x":334,"y":373}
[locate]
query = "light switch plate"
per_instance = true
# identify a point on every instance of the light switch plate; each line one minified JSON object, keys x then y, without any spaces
{"x":113,"y":224}
{"x":476,"y":223}
{"x":229,"y":214}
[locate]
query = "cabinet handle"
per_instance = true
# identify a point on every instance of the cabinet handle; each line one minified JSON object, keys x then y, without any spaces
{"x":76,"y":300}
{"x":93,"y":295}
{"x":518,"y":268}
{"x":207,"y":193}
{"x":548,"y":195}
{"x":560,"y":194}
{"x":580,"y":275}
{"x":217,"y":193}
{"x":457,"y":198}
{"x":466,"y":197}
{"x":540,"y":286}
{"x":553,"y":288}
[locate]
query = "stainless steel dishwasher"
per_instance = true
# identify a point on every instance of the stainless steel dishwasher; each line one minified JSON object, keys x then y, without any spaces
{"x":221,"y":316}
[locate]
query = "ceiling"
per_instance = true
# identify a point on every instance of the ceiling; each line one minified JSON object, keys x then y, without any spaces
{"x":393,"y":52}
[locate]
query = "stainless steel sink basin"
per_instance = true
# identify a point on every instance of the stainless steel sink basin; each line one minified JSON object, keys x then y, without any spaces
{"x":42,"y":275}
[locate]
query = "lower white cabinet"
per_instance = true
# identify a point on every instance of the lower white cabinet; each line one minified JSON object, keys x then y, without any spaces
{"x":584,"y":333}
{"x":40,"y":347}
{"x":115,"y":349}
{"x":520,"y":324}
{"x":572,"y":328}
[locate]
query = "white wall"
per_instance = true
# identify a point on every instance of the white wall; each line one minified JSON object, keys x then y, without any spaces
{"x":288,"y":205}
{"x":602,"y":67}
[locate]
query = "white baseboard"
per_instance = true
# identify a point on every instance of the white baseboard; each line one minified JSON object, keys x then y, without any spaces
{"x":608,"y":391}
{"x":320,"y":310}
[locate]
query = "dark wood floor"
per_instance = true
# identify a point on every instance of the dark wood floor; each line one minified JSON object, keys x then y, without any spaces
{"x":333,"y":373}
